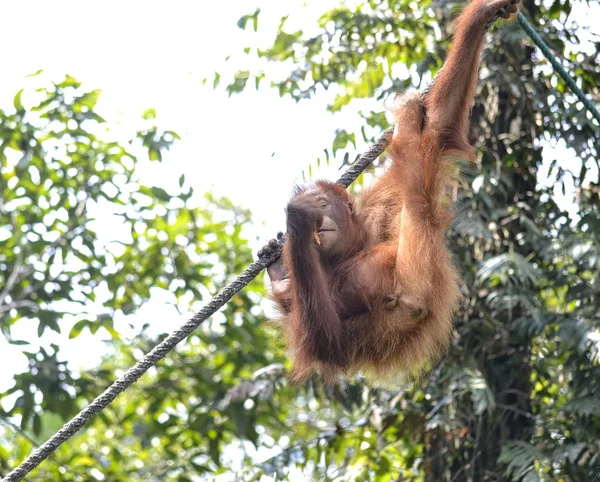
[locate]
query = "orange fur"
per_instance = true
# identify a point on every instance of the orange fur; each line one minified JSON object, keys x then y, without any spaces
{"x":384,"y":302}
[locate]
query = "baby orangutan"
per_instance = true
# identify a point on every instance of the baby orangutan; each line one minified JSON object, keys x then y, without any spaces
{"x":368,"y":284}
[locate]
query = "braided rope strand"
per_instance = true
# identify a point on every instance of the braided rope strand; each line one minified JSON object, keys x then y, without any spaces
{"x":366,"y":159}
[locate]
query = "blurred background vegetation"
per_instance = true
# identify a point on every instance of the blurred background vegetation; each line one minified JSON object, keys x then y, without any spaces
{"x":518,"y":398}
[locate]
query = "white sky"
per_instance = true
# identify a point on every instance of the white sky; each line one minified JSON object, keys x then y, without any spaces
{"x":149,"y":54}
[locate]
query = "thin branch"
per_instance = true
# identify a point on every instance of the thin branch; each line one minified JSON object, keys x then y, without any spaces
{"x":19,"y":304}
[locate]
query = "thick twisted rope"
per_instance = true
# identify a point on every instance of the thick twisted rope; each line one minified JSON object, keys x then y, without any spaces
{"x":366,"y":159}
{"x":537,"y":40}
{"x":169,"y":343}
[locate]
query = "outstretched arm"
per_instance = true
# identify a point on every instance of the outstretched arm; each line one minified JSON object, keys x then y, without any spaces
{"x":449,"y":100}
{"x":425,"y":160}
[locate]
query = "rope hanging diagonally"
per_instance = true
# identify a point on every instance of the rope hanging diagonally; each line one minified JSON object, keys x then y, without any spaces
{"x":537,"y":40}
{"x":165,"y":346}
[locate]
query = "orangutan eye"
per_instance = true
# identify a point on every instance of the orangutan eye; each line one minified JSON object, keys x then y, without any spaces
{"x":351,"y":208}
{"x":323,"y":202}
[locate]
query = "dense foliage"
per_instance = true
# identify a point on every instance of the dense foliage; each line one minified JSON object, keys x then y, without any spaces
{"x":60,"y":174}
{"x":517,"y":399}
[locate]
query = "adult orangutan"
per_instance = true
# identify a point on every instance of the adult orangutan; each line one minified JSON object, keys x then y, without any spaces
{"x":368,"y":284}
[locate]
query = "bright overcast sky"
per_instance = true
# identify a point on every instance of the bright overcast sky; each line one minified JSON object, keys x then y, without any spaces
{"x":156,"y":54}
{"x":149,"y":54}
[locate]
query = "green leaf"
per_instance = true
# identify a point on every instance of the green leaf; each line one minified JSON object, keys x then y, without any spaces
{"x":37,"y":424}
{"x":35,"y":73}
{"x":160,"y":194}
{"x":239,"y":82}
{"x":78,"y":327}
{"x":149,"y":114}
{"x":257,"y":79}
{"x":241,"y":23}
{"x":342,"y":137}
{"x":17,"y":101}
